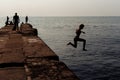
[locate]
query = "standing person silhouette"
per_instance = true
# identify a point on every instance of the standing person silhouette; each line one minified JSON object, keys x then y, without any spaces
{"x":76,"y":38}
{"x":7,"y":21}
{"x":26,"y":19}
{"x":16,"y":21}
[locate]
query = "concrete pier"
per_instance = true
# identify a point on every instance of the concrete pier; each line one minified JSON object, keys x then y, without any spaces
{"x":25,"y":56}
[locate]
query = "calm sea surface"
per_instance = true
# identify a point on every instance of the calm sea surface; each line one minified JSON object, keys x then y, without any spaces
{"x":101,"y":61}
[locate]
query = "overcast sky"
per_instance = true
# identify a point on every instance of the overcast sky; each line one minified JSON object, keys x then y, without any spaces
{"x":60,"y":7}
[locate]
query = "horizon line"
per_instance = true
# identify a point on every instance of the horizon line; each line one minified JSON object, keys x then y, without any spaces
{"x":64,"y":16}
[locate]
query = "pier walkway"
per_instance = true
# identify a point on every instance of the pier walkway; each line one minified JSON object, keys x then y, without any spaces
{"x":25,"y":56}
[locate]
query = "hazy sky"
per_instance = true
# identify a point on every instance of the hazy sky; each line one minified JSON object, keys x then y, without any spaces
{"x":60,"y":7}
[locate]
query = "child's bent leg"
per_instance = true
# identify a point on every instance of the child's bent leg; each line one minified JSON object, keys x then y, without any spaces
{"x":84,"y":43}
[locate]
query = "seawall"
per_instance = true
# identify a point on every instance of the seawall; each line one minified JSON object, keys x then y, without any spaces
{"x":25,"y":56}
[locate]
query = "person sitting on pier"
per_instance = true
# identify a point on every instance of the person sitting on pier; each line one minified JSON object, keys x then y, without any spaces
{"x":78,"y":32}
{"x":16,"y":21}
{"x":7,"y":21}
{"x":11,"y":23}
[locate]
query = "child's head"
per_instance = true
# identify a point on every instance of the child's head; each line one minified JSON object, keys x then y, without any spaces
{"x":81,"y":26}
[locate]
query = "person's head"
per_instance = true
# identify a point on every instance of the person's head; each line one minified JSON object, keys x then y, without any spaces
{"x":15,"y":13}
{"x":7,"y":17}
{"x":81,"y":26}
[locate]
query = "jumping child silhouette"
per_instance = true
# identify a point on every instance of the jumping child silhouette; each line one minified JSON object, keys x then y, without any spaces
{"x":76,"y":38}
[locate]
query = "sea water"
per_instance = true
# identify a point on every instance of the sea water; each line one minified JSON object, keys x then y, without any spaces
{"x":101,"y":61}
